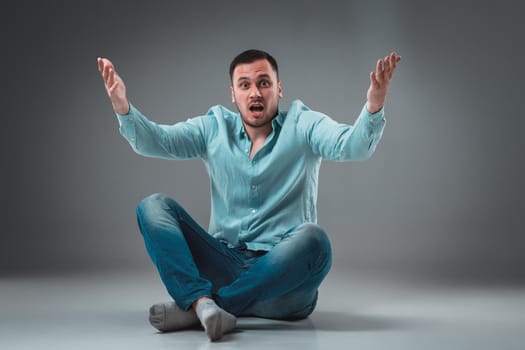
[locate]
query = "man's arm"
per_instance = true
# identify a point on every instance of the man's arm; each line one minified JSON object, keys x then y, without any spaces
{"x":179,"y":141}
{"x":114,"y":86}
{"x":344,"y":142}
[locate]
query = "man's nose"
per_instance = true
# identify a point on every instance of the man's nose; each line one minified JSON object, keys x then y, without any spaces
{"x":255,"y":92}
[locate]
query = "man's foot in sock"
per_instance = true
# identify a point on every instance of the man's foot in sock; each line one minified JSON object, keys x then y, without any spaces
{"x":168,"y":317}
{"x":216,"y":321}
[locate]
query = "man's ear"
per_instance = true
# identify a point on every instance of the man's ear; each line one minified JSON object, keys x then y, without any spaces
{"x":280,"y":89}
{"x":233,"y":95}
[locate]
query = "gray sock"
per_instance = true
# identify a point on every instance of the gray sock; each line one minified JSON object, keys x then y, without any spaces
{"x":216,"y":321}
{"x":168,"y":317}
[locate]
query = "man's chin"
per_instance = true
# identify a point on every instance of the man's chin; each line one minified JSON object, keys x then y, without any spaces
{"x":256,"y":122}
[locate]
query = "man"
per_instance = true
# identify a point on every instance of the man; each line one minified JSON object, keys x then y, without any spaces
{"x":263,"y":254}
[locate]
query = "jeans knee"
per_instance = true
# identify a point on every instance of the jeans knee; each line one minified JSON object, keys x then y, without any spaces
{"x":149,"y":202}
{"x":155,"y":209}
{"x":316,"y":241}
{"x":316,"y":237}
{"x":152,"y":204}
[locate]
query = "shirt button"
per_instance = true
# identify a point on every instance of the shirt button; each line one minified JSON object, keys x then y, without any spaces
{"x":253,"y":187}
{"x":253,"y":211}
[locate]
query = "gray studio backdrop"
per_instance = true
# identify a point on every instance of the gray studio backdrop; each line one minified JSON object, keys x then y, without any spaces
{"x":441,"y":197}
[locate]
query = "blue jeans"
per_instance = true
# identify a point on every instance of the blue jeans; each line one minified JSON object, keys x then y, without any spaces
{"x":279,"y":284}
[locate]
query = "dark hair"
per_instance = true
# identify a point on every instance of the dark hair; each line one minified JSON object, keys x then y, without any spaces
{"x":250,"y":56}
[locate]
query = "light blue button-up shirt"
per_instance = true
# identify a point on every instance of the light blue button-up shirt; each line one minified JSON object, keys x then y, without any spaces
{"x":256,"y":201}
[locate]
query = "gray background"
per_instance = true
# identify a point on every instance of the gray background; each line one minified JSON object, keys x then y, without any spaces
{"x":442,"y":196}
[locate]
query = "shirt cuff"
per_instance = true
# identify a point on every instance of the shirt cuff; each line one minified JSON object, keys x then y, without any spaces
{"x":122,"y":118}
{"x":375,"y":119}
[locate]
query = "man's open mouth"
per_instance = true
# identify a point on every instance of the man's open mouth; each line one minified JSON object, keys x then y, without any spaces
{"x":256,"y":107}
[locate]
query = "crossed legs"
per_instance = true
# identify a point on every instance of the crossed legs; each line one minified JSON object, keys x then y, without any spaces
{"x":192,"y":264}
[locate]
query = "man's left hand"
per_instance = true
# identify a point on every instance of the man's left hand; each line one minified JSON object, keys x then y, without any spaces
{"x":380,"y":81}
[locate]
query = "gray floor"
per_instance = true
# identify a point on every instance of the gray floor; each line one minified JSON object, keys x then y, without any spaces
{"x":355,"y":311}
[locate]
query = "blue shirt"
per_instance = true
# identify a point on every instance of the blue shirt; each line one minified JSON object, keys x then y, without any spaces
{"x":256,"y":201}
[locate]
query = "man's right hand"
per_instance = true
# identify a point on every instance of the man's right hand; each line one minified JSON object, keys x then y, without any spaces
{"x":114,"y":86}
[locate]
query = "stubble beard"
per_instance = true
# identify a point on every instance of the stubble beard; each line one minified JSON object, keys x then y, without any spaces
{"x":254,"y":125}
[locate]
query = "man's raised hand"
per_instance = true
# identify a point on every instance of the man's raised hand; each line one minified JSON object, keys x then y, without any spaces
{"x":114,"y":86}
{"x":380,"y":81}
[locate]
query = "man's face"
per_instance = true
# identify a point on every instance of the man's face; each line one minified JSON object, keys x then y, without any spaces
{"x":256,"y":91}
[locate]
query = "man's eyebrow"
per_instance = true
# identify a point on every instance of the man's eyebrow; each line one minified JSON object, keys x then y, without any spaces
{"x":264,"y":75}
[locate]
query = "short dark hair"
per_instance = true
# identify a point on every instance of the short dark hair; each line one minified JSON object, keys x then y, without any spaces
{"x":250,"y":56}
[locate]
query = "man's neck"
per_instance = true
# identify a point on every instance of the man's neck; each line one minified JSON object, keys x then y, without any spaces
{"x":258,"y":134}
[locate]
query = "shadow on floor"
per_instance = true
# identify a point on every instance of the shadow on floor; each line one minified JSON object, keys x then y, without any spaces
{"x":352,"y":322}
{"x":330,"y":321}
{"x":252,"y":323}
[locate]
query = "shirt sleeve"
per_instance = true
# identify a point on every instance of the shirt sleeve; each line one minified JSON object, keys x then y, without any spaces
{"x":182,"y":140}
{"x":342,"y":142}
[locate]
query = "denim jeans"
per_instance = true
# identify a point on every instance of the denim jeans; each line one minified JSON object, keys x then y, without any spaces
{"x":280,"y":284}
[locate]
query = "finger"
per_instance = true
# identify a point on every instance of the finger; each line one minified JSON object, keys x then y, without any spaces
{"x":373,"y":80}
{"x":103,"y":68}
{"x":107,"y":72}
{"x":111,"y":77}
{"x":100,"y":65}
{"x":113,"y":87}
{"x":379,"y":66}
{"x":394,"y":58}
{"x":386,"y":65}
{"x":391,"y":66}
{"x":107,"y":65}
{"x":379,"y":70}
{"x":391,"y":59}
{"x":397,"y":57}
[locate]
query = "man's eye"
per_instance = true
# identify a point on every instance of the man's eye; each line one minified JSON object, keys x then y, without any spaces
{"x":265,"y":83}
{"x":243,"y":85}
